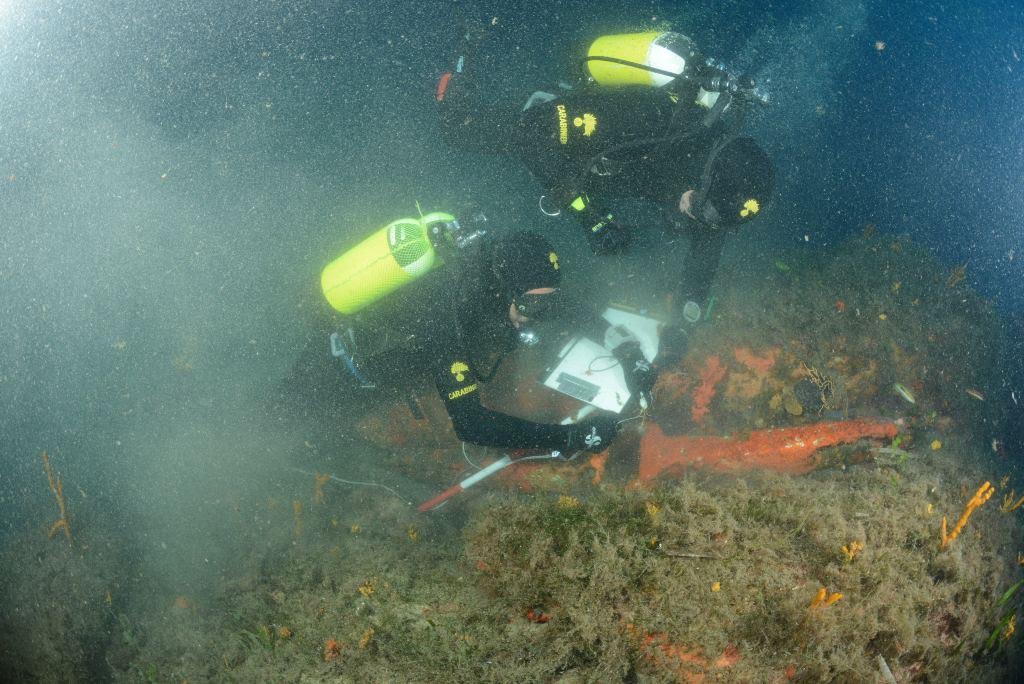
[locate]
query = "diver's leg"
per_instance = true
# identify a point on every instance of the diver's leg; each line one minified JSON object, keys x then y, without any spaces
{"x":458,"y":81}
{"x":469,"y":122}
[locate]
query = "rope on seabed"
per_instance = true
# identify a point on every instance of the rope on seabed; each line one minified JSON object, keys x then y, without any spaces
{"x":354,"y":482}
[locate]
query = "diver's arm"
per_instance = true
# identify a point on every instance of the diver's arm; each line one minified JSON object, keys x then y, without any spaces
{"x":459,"y":387}
{"x":692,"y":290}
{"x":701,"y":265}
{"x":479,"y":425}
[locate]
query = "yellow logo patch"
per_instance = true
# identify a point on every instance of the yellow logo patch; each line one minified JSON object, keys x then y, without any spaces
{"x":553,"y":258}
{"x":459,"y":370}
{"x":750,"y":207}
{"x":588,"y":122}
{"x":563,"y":124}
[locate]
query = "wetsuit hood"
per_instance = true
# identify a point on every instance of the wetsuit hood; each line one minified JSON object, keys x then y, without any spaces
{"x":737,"y":182}
{"x":523,"y":261}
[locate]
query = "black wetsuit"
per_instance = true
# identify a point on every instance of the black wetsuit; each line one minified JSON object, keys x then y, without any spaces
{"x":560,"y":140}
{"x":451,"y":326}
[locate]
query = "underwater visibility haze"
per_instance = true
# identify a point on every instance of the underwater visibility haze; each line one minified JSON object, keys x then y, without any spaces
{"x":825,"y":484}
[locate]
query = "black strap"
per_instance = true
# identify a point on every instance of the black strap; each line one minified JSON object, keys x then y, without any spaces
{"x":705,"y":175}
{"x":714,"y":116}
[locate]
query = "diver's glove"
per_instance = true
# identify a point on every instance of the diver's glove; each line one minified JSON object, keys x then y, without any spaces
{"x":640,"y":375}
{"x":606,"y":236}
{"x":593,"y":435}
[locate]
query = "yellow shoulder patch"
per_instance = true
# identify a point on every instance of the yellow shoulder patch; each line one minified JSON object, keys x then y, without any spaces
{"x":459,"y":369}
{"x":553,"y":258}
{"x":588,"y":122}
{"x":750,"y":207}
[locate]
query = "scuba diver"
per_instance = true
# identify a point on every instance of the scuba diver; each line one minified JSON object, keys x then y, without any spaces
{"x":440,"y":298}
{"x":654,"y":120}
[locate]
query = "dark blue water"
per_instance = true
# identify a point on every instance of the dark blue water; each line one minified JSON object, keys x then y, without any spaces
{"x":931,"y":138}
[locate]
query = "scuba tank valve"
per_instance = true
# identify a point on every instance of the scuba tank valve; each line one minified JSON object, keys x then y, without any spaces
{"x":716,"y":78}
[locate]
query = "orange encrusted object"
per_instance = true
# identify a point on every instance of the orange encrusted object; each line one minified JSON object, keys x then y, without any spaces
{"x":788,"y":450}
{"x":759,"y":364}
{"x":710,"y":375}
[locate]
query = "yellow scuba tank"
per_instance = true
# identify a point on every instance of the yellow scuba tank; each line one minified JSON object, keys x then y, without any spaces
{"x":655,"y":58}
{"x":392,"y":257}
